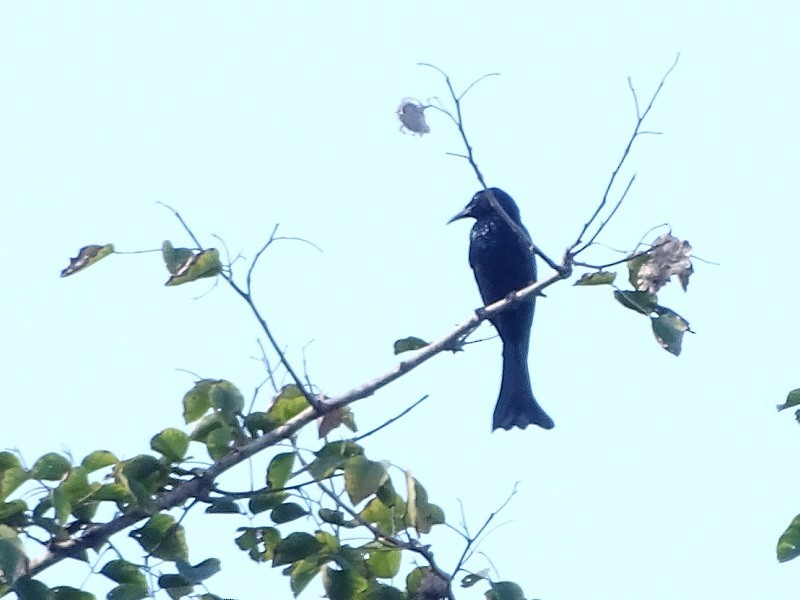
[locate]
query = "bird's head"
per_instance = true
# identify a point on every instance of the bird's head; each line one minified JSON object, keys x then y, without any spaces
{"x":480,"y":206}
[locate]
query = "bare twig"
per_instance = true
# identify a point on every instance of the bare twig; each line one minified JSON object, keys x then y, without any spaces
{"x":182,"y":222}
{"x":468,"y":549}
{"x":268,"y":368}
{"x":640,"y":118}
{"x":248,"y":279}
{"x":611,"y":214}
{"x":620,"y":261}
{"x":264,"y":490}
{"x":390,"y":421}
{"x":458,"y":118}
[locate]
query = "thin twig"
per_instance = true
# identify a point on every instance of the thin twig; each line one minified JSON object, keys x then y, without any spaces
{"x":611,"y":214}
{"x":182,"y":222}
{"x":264,"y":490}
{"x":640,"y":117}
{"x":268,"y":367}
{"x":622,"y":260}
{"x":472,"y":539}
{"x":458,"y":118}
{"x":390,"y":421}
{"x":256,"y":257}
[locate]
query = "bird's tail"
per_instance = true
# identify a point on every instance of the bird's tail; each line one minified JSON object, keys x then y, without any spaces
{"x":516,"y":406}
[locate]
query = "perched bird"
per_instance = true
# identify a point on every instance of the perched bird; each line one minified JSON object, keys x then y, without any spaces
{"x":503,"y":263}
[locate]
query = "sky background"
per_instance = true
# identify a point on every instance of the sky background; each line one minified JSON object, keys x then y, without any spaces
{"x":665,"y":477}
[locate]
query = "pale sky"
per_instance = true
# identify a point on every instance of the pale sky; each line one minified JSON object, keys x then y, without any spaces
{"x":664,"y":477}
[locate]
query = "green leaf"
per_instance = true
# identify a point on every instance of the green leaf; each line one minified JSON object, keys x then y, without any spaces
{"x":409,"y":344}
{"x":363,"y":477}
{"x":76,"y":485}
{"x":342,"y":584}
{"x":172,"y":443}
{"x":147,"y":470}
{"x":85,"y":510}
{"x":387,"y":495}
{"x":28,"y":588}
{"x":287,"y":512}
{"x":333,"y":456}
{"x":279,"y":470}
{"x":505,"y":590}
{"x":634,"y":264}
{"x":122,"y":571}
{"x":414,"y":579}
{"x":296,"y":546}
{"x":224,"y":506}
{"x":196,"y":402}
{"x":8,"y":460}
{"x":50,"y":467}
{"x":220,"y":442}
{"x":176,"y":586}
{"x":87,"y":256}
{"x":143,"y":496}
{"x":384,"y":563}
{"x":162,"y":537}
{"x":97,"y":460}
{"x":62,"y":506}
{"x":207,"y":424}
{"x":789,"y":542}
{"x":248,"y":539}
{"x":669,"y":327}
{"x":115,"y":492}
{"x":65,"y":592}
{"x":266,"y":501}
{"x":336,"y":517}
{"x":226,"y":398}
{"x":301,"y":574}
{"x":12,"y":556}
{"x":597,"y":278}
{"x":259,"y":422}
{"x":199,"y":572}
{"x":197,"y":266}
{"x":288,"y":404}
{"x":11,"y":479}
{"x":174,"y":257}
{"x":387,"y":520}
{"x":421,"y":514}
{"x":128,"y":591}
{"x":330,"y":542}
{"x":792,"y":399}
{"x":13,"y":513}
{"x":642,"y":302}
{"x":270,"y":537}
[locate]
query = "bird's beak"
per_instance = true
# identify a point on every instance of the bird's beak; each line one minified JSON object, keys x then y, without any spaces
{"x":462,"y":215}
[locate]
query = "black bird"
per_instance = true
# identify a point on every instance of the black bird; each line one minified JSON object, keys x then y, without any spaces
{"x":503,"y":263}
